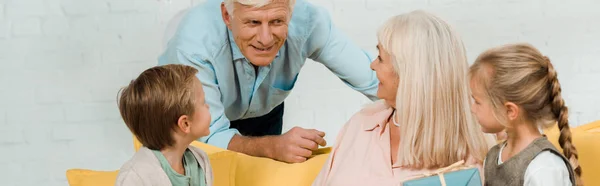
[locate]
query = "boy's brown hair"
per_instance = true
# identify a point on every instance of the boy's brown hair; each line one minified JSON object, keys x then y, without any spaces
{"x":153,"y":102}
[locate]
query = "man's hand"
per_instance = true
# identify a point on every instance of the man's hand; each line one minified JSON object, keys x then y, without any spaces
{"x":296,"y":145}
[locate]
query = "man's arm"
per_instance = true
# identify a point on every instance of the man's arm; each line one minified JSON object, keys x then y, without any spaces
{"x":295,"y":146}
{"x":327,"y":45}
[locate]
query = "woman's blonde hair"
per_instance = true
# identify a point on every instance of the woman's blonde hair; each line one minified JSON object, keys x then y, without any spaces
{"x":432,"y":102}
{"x":519,"y":73}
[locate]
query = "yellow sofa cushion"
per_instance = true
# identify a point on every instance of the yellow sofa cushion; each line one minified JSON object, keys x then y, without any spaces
{"x":255,"y":171}
{"x":586,"y":139}
{"x":83,"y":177}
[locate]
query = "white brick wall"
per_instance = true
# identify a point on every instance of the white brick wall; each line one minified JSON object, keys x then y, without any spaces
{"x":63,"y":61}
{"x":27,"y":27}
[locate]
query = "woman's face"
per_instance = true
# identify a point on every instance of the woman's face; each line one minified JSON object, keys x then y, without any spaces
{"x":388,"y":78}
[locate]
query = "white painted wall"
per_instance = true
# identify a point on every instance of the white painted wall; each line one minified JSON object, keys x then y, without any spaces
{"x":62,"y":62}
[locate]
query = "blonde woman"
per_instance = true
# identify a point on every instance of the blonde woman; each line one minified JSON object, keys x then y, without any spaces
{"x":423,"y":121}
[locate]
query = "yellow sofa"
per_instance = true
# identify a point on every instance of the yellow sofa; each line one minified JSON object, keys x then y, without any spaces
{"x":236,"y":169}
{"x":586,"y":139}
{"x":84,"y":177}
{"x":229,"y":169}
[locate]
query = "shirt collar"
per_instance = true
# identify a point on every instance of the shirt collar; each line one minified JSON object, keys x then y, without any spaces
{"x":369,"y":126}
{"x":378,"y":119}
{"x":235,"y":50}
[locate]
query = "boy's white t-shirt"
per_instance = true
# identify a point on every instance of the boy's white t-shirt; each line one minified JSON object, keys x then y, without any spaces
{"x":546,"y":169}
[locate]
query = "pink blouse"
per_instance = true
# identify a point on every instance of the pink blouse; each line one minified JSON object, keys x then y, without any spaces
{"x":361,"y":155}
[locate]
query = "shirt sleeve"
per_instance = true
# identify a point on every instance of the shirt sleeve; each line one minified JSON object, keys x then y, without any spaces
{"x":327,"y":45}
{"x":547,"y":169}
{"x":220,"y":133}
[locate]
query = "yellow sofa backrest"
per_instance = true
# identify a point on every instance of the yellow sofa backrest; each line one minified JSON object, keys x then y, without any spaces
{"x":84,"y":177}
{"x":586,"y":139}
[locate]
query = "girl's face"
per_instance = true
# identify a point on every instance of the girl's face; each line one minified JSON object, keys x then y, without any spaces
{"x":482,"y":108}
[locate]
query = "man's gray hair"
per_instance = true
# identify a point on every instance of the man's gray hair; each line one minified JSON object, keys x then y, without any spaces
{"x":255,"y":3}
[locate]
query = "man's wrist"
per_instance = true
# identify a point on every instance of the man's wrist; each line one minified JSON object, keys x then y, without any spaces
{"x":254,"y":146}
{"x":267,"y":144}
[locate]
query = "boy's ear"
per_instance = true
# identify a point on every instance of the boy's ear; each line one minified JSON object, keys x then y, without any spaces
{"x":512,"y":111}
{"x":183,"y":124}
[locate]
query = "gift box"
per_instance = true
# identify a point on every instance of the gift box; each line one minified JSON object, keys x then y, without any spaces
{"x":453,"y":175}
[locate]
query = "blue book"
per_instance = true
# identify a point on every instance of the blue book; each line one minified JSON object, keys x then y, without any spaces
{"x":466,"y":177}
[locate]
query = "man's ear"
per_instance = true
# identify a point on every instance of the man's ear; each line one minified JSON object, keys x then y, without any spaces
{"x":512,"y":111}
{"x":183,"y":124}
{"x":226,"y":16}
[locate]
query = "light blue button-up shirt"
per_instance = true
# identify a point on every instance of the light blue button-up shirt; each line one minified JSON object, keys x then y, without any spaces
{"x":234,"y":90}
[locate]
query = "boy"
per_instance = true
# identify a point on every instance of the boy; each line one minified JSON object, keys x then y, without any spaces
{"x":164,"y":108}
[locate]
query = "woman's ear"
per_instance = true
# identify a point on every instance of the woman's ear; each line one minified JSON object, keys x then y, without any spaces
{"x":512,"y":111}
{"x":183,"y":124}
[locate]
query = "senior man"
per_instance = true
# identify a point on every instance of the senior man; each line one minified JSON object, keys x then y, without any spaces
{"x":249,"y":54}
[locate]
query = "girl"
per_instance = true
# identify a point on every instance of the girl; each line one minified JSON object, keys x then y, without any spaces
{"x":515,"y":88}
